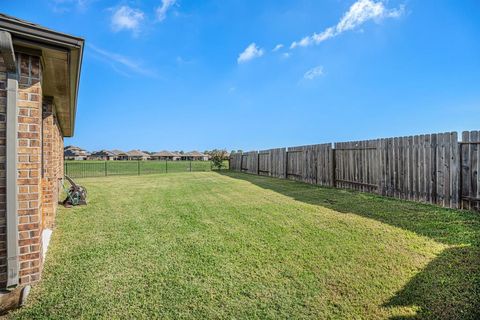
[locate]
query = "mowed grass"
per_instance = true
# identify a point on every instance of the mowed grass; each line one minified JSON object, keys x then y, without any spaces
{"x":229,"y":245}
{"x":93,"y":168}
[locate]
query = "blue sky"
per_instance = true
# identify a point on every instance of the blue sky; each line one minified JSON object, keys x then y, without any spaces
{"x":241,"y":74}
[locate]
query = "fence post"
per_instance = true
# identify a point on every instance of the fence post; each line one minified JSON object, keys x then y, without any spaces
{"x":286,"y":164}
{"x":190,"y":165}
{"x":333,"y":168}
{"x":166,"y":165}
{"x":258,"y":163}
{"x":138,"y":167}
{"x":241,"y":161}
{"x":460,"y":175}
{"x":105,"y":168}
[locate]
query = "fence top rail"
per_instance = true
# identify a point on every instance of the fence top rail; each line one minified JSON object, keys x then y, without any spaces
{"x":356,"y":148}
{"x":310,"y":146}
{"x":357,"y":144}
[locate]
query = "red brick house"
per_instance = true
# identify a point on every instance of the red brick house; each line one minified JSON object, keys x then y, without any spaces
{"x":39,"y":79}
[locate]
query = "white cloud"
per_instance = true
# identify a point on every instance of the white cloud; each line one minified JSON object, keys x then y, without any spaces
{"x":122,"y":64}
{"x":127,"y":18}
{"x":251,"y":52}
{"x":162,"y":10}
{"x":277,"y":47}
{"x":314,"y":73}
{"x":359,"y":13}
{"x":63,"y":6}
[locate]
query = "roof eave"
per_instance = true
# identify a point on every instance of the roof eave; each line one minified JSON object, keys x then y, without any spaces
{"x":38,"y":37}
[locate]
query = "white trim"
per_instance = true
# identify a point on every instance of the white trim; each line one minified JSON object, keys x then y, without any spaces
{"x":46,"y":236}
{"x":11,"y":177}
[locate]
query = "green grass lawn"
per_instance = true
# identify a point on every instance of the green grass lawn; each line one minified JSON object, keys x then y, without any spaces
{"x":228,"y":245}
{"x":93,"y":168}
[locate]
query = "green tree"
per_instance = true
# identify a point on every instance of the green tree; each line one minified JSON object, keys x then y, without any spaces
{"x":217,"y":157}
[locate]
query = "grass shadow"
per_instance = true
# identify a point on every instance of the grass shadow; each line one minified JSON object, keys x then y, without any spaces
{"x":449,"y":287}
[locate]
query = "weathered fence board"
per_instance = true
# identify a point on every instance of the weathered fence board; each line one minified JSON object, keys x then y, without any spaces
{"x":310,"y":164}
{"x":431,"y":168}
{"x":249,"y":162}
{"x":421,"y":168}
{"x":264,"y":163}
{"x":301,"y":164}
{"x":235,"y":161}
{"x":357,"y":165}
{"x":470,"y":170}
{"x":277,"y":162}
{"x":325,"y":165}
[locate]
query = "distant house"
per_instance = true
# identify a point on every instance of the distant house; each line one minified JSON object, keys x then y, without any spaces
{"x":75,"y":153}
{"x":102,"y":155}
{"x":177,"y":155}
{"x":194,"y":156}
{"x":165,"y":155}
{"x":116,"y":153}
{"x":133,"y":155}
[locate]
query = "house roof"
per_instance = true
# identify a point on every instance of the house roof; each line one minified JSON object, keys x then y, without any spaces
{"x":117,"y":152}
{"x":73,"y":148}
{"x":195,"y":154}
{"x":61,"y":56}
{"x":103,"y":153}
{"x":164,"y":153}
{"x":75,"y":152}
{"x":137,"y":153}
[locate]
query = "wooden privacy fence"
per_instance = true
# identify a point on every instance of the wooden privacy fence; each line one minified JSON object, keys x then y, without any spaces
{"x":431,"y":168}
{"x":470,"y":173}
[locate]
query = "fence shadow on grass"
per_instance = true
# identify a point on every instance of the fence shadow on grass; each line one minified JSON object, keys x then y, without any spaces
{"x":449,"y":287}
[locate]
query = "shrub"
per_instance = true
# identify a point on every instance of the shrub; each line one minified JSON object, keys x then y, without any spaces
{"x":217,"y":157}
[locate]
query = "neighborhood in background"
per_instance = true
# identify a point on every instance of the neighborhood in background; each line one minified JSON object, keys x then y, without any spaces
{"x":77,"y":154}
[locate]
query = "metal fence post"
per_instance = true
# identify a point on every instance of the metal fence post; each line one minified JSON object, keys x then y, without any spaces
{"x":166,"y":165}
{"x":138,"y":167}
{"x":105,"y":168}
{"x":190,"y":165}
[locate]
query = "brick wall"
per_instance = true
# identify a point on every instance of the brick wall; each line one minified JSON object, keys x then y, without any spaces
{"x":29,"y":105}
{"x":40,"y":165}
{"x":52,"y":163}
{"x":3,"y":185}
